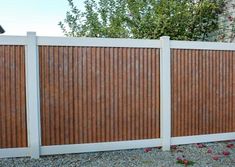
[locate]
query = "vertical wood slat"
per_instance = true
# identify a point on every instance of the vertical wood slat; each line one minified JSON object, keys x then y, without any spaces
{"x":202,"y":92}
{"x":13,"y":131}
{"x":99,"y":94}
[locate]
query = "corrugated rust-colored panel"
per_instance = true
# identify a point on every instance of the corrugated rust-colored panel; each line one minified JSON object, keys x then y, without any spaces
{"x":203,"y":93}
{"x":13,"y":131}
{"x":93,"y":94}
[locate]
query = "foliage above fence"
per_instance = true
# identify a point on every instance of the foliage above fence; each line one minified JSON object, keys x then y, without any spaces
{"x":181,"y":20}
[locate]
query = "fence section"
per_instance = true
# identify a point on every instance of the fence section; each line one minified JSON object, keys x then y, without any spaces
{"x":13,"y":131}
{"x":97,"y":94}
{"x":89,"y":94}
{"x":203,"y":89}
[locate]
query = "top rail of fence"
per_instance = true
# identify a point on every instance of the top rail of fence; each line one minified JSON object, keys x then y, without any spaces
{"x":202,"y":45}
{"x":99,"y":42}
{"x":13,"y":40}
{"x":116,"y":42}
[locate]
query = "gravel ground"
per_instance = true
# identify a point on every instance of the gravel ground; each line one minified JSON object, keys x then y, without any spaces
{"x":200,"y":154}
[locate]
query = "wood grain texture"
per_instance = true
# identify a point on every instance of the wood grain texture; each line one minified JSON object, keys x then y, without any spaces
{"x":93,"y":94}
{"x":13,"y":129}
{"x":203,"y":93}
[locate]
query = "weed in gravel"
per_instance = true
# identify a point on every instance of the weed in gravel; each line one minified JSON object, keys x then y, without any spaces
{"x":184,"y":161}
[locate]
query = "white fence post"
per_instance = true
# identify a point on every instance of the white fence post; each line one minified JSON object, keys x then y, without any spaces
{"x":165,"y":92}
{"x":32,"y":95}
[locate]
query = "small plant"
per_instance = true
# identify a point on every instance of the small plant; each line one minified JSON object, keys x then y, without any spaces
{"x":200,"y":145}
{"x":184,"y":161}
{"x":147,"y":150}
{"x":226,"y":153}
{"x":209,"y":151}
{"x":174,"y":147}
{"x":146,"y":162}
{"x":230,"y":145}
{"x":216,"y":158}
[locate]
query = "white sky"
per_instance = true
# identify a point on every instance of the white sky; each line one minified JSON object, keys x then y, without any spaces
{"x":42,"y":16}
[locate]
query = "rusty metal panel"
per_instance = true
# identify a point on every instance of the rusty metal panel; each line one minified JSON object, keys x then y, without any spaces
{"x":91,"y":94}
{"x":203,"y":94}
{"x":13,"y":131}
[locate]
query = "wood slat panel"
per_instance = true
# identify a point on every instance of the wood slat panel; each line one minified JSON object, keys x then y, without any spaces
{"x":93,"y":94}
{"x":203,"y":92}
{"x":13,"y":129}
